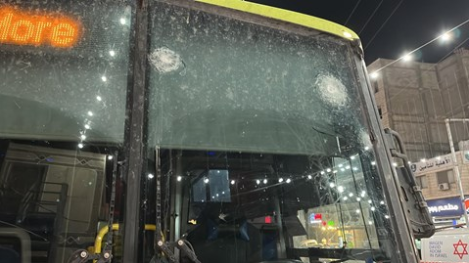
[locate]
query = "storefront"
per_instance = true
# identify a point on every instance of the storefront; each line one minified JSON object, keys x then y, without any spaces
{"x":447,"y":211}
{"x":331,"y":227}
{"x":439,"y":183}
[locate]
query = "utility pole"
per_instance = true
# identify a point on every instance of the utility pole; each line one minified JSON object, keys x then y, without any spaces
{"x":456,"y":165}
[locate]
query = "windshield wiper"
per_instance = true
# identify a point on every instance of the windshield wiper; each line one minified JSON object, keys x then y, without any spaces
{"x":167,"y":249}
{"x":188,"y":249}
{"x":164,"y":246}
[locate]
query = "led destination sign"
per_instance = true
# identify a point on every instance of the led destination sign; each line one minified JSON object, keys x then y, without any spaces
{"x":25,"y":28}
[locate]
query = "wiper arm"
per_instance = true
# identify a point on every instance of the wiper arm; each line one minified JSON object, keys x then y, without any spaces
{"x":182,"y":244}
{"x":187,"y":248}
{"x":167,"y":247}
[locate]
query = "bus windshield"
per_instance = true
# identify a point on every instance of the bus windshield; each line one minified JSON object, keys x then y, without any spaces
{"x":182,"y":131}
{"x":260,"y":144}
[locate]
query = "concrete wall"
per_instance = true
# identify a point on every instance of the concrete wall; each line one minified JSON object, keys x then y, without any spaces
{"x":415,"y":98}
{"x":453,"y":79}
{"x":406,"y":95}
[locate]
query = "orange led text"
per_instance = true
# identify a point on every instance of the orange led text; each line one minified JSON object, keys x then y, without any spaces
{"x":22,"y":28}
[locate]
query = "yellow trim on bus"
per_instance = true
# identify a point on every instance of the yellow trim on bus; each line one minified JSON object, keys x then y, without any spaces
{"x":286,"y":16}
{"x":115,"y":227}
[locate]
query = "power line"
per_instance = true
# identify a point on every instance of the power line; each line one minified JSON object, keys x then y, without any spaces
{"x":453,"y":50}
{"x":353,"y":11}
{"x":382,"y":26}
{"x":424,"y":45}
{"x":372,"y":15}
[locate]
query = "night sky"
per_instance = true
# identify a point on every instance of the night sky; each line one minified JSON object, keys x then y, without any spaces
{"x":411,"y":23}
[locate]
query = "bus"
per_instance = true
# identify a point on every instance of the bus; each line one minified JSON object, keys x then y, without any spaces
{"x":194,"y":131}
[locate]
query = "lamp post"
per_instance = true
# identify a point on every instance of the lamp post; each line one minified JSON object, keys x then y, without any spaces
{"x":456,"y":166}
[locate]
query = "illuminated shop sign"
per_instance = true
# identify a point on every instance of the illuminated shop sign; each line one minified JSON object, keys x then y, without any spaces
{"x":446,"y":207}
{"x":315,"y":218}
{"x":25,"y":28}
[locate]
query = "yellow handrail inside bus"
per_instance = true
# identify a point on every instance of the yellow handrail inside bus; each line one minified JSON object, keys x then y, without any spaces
{"x":286,"y":16}
{"x":104,"y":230}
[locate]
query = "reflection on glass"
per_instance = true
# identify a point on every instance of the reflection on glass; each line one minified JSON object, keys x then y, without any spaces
{"x":214,"y":187}
{"x":61,"y":125}
{"x":263,"y":151}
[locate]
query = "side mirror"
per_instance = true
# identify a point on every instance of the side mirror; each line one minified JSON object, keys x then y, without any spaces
{"x":412,"y":199}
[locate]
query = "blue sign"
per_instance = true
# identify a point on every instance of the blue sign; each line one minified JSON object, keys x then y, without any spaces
{"x":315,"y":218}
{"x":446,"y":207}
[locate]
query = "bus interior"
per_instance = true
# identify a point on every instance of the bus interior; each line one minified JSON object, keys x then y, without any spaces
{"x":231,"y":206}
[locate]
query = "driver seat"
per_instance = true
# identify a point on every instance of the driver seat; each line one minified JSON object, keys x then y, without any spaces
{"x":231,"y":241}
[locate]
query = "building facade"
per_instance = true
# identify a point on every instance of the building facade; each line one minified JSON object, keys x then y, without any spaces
{"x":438,"y":181}
{"x":415,"y":98}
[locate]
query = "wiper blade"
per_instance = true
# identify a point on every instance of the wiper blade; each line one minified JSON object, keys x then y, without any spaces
{"x":187,"y":248}
{"x":167,"y":249}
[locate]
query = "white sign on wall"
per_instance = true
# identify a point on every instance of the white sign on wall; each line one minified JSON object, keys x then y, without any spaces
{"x":432,"y":164}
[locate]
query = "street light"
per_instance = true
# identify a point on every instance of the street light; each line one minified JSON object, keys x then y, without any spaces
{"x":446,"y":36}
{"x":456,"y":166}
{"x":407,"y":57}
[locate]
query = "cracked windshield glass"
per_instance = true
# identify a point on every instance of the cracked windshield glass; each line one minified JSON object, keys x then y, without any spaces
{"x":258,"y":142}
{"x":62,"y":112}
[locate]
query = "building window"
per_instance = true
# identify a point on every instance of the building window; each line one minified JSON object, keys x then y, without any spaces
{"x":445,"y":177}
{"x":422,"y":181}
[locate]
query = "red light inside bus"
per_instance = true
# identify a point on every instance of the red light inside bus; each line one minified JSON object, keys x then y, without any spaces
{"x":22,"y":28}
{"x":318,"y":216}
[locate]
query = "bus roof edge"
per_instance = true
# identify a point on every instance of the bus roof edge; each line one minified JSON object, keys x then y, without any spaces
{"x":287,"y":16}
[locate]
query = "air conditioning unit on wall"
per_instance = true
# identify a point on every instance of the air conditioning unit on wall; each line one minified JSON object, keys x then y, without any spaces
{"x":443,"y":186}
